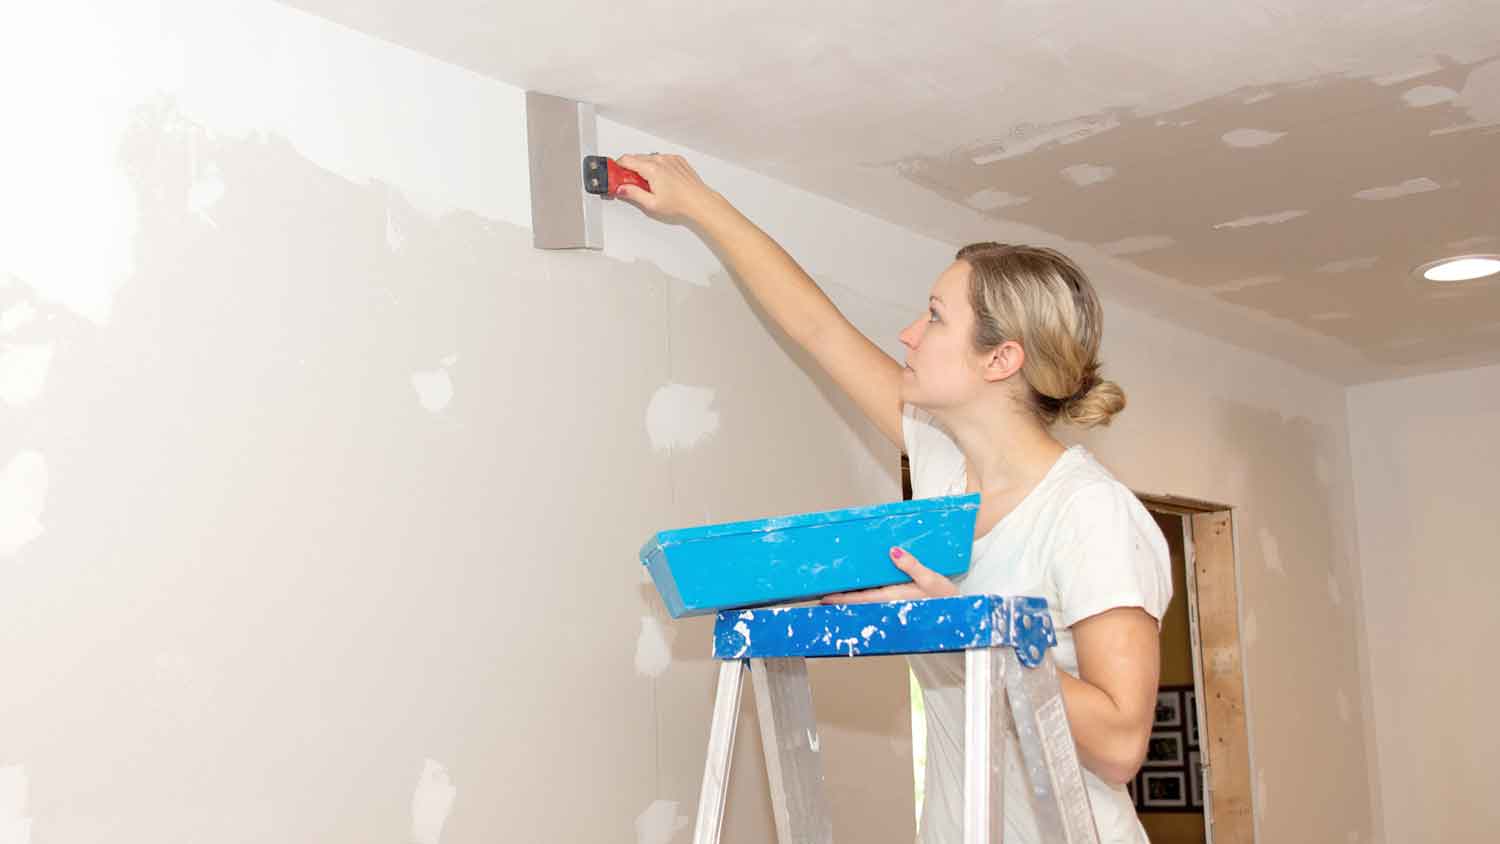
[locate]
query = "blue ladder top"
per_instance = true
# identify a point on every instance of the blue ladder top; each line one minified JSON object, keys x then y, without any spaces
{"x":957,"y":623}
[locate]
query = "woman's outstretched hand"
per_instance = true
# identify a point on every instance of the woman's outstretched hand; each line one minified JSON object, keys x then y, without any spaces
{"x":925,"y":583}
{"x":677,"y":192}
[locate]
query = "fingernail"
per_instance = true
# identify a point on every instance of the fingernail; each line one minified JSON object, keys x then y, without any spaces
{"x":896,"y":553}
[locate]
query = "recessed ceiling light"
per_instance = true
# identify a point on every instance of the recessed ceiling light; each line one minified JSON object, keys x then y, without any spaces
{"x":1461,"y":268}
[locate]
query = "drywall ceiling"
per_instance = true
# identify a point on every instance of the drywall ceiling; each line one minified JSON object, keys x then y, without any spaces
{"x":1269,"y":173}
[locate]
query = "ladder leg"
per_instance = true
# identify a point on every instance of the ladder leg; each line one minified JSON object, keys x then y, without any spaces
{"x":789,"y":734}
{"x":987,"y":737}
{"x":1060,"y":797}
{"x":720,"y":746}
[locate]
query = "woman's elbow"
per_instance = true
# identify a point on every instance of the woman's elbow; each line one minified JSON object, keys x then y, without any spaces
{"x":1119,"y":762}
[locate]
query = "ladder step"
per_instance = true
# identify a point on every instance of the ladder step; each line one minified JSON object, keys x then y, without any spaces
{"x":957,"y":623}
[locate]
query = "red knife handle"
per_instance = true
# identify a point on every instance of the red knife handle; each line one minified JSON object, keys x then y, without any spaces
{"x":603,"y":176}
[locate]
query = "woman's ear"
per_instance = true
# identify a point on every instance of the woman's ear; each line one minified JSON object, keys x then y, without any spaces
{"x":1004,"y":361}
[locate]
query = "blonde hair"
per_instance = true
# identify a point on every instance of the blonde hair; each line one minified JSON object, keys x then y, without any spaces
{"x":1042,"y":300}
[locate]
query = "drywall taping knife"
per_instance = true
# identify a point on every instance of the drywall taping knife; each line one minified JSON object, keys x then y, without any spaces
{"x":602,"y":176}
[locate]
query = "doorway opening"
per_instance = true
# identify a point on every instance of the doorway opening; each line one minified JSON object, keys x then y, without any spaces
{"x":1195,"y":783}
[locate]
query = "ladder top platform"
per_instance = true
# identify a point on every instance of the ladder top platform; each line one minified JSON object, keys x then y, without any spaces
{"x":957,"y":623}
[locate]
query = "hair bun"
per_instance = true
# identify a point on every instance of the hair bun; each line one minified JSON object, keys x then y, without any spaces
{"x":1096,"y":404}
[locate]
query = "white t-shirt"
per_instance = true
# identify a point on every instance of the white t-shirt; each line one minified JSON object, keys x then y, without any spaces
{"x":1081,"y":540}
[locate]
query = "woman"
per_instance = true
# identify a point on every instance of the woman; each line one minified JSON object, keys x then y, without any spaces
{"x":1007,"y":346}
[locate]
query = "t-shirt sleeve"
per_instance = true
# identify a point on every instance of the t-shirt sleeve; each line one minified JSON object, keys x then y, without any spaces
{"x":1110,"y":554}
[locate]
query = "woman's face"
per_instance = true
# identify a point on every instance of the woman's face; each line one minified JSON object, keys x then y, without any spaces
{"x":942,"y":368}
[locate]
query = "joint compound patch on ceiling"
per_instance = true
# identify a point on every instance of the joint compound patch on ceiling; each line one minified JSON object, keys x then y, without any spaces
{"x":1406,"y":188}
{"x":1261,"y":220}
{"x":1084,"y":175}
{"x":1423,"y":96}
{"x":680,"y":416}
{"x":1480,"y":96}
{"x":1422,"y":68}
{"x":1029,"y":137}
{"x":15,"y":824}
{"x":1348,"y":264}
{"x":990,"y":199}
{"x":1473,"y":242}
{"x":23,"y":494}
{"x":1238,"y":284}
{"x":659,"y":823}
{"x":23,"y":372}
{"x":430,"y":803}
{"x":1136,"y":245}
{"x":1246,"y":138}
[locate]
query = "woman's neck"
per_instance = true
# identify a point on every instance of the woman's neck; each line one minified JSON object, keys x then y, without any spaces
{"x":1005,"y":449}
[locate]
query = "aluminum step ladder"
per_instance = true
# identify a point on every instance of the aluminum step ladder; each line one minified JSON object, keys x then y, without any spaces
{"x":1011,"y":698}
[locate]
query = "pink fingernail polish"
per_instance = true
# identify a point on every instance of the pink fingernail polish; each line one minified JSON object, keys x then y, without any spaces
{"x":896,"y":553}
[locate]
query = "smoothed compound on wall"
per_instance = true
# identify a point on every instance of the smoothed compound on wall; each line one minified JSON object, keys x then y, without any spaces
{"x":15,"y":824}
{"x":434,"y":388}
{"x":16,"y":316}
{"x":653,"y":647}
{"x":23,"y":494}
{"x":680,"y":416}
{"x":1270,"y":553}
{"x":23,"y":372}
{"x":659,"y":823}
{"x":430,"y":803}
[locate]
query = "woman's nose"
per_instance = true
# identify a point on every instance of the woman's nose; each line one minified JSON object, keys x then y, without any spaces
{"x":911,"y":334}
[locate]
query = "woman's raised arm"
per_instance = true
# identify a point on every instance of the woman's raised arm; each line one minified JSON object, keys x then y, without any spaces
{"x":782,"y":288}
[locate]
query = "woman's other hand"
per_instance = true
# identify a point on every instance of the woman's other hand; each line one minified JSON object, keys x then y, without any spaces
{"x":925,"y":583}
{"x":677,"y":192}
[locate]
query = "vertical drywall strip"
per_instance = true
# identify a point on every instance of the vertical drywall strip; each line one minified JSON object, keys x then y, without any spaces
{"x":559,"y":133}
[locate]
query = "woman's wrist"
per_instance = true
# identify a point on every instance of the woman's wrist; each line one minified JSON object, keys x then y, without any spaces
{"x":710,"y":207}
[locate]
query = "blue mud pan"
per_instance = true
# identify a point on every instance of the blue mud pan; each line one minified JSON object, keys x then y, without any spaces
{"x":769,"y":561}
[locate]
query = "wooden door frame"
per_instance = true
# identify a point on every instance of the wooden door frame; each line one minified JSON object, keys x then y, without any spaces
{"x":1209,"y":551}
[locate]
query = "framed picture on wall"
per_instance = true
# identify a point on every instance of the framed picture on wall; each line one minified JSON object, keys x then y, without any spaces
{"x":1164,"y":789}
{"x":1165,"y":750}
{"x":1190,"y":713}
{"x":1195,"y":779}
{"x":1170,"y":780}
{"x":1168,"y":708}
